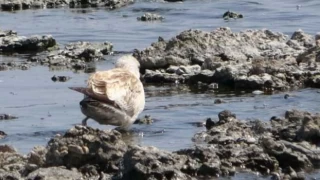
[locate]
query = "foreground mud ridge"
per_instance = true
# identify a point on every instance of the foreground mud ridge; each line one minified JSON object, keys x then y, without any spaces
{"x":284,"y":148}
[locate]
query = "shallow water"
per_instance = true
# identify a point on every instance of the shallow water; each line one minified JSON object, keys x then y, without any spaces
{"x":46,"y":108}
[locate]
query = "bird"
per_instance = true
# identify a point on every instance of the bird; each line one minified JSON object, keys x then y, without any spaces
{"x":114,"y":97}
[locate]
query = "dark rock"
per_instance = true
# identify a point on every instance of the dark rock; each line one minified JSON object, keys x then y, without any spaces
{"x":311,"y":56}
{"x":110,"y":4}
{"x":226,"y":116}
{"x":74,"y":55}
{"x":11,"y":5}
{"x":297,"y":126}
{"x":210,"y":123}
{"x":7,"y":117}
{"x":60,"y":78}
{"x":87,"y":146}
{"x":56,"y":3}
{"x":2,"y":135}
{"x":219,"y":101}
{"x":145,"y":120}
{"x":233,"y":15}
{"x":285,"y":156}
{"x":151,"y":163}
{"x":10,"y":42}
{"x":150,"y":17}
{"x":174,"y":0}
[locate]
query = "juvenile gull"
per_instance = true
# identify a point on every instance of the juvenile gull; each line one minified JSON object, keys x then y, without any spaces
{"x":114,"y":97}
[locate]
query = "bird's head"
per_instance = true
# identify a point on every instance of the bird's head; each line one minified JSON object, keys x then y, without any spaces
{"x":129,"y":63}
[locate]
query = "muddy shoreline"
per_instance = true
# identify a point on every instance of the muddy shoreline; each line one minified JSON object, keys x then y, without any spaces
{"x":283,"y":148}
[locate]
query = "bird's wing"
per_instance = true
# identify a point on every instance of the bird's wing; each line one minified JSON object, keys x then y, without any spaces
{"x":121,"y":87}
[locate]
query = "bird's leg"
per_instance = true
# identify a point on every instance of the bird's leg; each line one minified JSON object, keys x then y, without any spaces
{"x":84,"y":121}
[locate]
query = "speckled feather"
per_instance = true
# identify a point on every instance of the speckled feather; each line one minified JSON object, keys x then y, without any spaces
{"x":116,"y":93}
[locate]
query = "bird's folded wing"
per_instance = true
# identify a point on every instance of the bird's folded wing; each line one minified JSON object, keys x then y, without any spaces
{"x":98,"y":97}
{"x":121,"y":87}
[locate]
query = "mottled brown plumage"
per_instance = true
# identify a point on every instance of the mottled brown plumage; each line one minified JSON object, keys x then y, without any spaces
{"x":116,"y":96}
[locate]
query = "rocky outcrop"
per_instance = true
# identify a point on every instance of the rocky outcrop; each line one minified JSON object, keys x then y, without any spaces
{"x":74,"y":56}
{"x":12,"y":5}
{"x":87,"y":149}
{"x":253,"y":59}
{"x":285,"y":148}
{"x":10,"y":42}
{"x":12,"y":164}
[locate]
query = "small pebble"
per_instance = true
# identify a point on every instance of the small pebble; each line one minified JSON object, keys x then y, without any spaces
{"x":257,"y":92}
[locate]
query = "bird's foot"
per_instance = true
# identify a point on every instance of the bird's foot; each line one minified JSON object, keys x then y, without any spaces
{"x":84,"y":121}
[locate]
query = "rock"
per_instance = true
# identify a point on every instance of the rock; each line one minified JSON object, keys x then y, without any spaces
{"x":190,"y":70}
{"x":74,"y":55}
{"x":290,"y":143}
{"x":11,"y":162}
{"x":7,"y":117}
{"x":37,"y":156}
{"x":110,"y":4}
{"x":150,"y":17}
{"x":145,"y":120}
{"x":174,"y":0}
{"x":285,"y":148}
{"x":285,"y":156}
{"x":151,"y":76}
{"x":253,"y":59}
{"x":56,"y":3}
{"x":151,"y":163}
{"x":219,"y":101}
{"x":82,"y":146}
{"x":10,"y":175}
{"x":210,"y":123}
{"x":233,"y":145}
{"x":297,"y":125}
{"x":2,"y":135}
{"x":225,"y":116}
{"x":303,"y":39}
{"x":11,"y":5}
{"x":310,"y":57}
{"x":200,"y":44}
{"x":233,"y":15}
{"x":55,"y":173}
{"x":10,"y":42}
{"x":60,"y":78}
